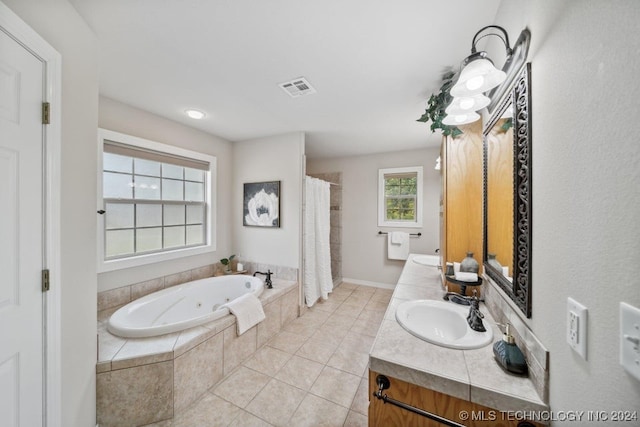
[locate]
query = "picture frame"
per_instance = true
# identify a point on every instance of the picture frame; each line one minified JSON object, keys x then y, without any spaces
{"x":261,"y":204}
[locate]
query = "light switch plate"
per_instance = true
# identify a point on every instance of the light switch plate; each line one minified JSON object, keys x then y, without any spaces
{"x":577,"y":327}
{"x":630,"y":339}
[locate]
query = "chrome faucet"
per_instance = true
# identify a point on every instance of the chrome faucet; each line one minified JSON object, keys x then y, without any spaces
{"x":267,"y":281}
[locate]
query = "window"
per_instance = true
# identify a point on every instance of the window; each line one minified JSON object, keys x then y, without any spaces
{"x":400,"y":197}
{"x":155,"y":199}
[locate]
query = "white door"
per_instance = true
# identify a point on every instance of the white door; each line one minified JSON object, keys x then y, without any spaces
{"x":21,"y":231}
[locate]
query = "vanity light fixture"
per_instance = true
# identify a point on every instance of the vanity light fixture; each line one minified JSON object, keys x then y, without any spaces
{"x":195,"y":114}
{"x":478,"y":74}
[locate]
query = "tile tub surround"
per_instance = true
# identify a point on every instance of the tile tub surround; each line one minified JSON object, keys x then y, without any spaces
{"x":145,"y":380}
{"x":471,"y":375}
{"x":125,"y":294}
{"x":289,"y":382}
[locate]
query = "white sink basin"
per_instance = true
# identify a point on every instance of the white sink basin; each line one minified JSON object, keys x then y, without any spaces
{"x":442,"y":323}
{"x":428,"y":260}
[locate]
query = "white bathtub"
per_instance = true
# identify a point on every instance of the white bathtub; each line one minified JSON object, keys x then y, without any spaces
{"x":182,"y":306}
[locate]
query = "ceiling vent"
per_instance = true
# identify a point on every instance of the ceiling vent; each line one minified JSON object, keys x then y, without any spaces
{"x":297,"y":87}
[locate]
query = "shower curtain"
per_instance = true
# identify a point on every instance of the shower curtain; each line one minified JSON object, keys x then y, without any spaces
{"x":317,"y":256}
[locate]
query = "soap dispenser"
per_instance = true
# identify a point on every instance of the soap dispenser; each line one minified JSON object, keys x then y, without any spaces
{"x":508,"y":355}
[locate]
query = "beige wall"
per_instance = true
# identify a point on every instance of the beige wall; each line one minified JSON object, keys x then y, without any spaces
{"x":585,"y":191}
{"x":79,"y":50}
{"x":586,"y":183}
{"x":123,"y":118}
{"x":275,"y":158}
{"x":364,"y":253}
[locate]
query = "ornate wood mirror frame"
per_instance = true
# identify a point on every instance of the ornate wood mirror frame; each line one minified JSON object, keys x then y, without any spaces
{"x":519,"y":287}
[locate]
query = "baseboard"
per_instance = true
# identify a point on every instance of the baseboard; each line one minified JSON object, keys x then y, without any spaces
{"x":368,"y":283}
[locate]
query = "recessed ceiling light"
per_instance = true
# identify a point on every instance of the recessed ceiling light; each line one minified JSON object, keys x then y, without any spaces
{"x":195,"y":114}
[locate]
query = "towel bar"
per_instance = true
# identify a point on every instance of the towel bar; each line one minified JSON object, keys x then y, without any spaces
{"x":384,"y":383}
{"x":412,"y":234}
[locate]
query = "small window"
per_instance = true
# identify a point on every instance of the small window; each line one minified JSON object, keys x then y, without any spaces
{"x":155,"y":199}
{"x":400,"y":197}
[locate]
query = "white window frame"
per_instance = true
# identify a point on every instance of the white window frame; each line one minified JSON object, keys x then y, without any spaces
{"x":210,"y":200}
{"x":382,"y":174}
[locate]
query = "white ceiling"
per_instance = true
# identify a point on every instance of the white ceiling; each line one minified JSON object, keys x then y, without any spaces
{"x":374,"y":64}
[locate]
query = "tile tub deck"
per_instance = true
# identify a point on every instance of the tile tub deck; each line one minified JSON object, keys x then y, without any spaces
{"x":146,"y":380}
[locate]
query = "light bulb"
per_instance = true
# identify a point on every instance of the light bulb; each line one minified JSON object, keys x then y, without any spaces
{"x":475,"y":82}
{"x":466,"y":103}
{"x":459,"y":119}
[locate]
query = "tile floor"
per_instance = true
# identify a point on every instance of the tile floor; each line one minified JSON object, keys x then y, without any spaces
{"x":313,"y":373}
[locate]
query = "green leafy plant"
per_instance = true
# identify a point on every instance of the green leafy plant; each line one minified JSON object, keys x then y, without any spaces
{"x":227,"y":262}
{"x":436,"y":106}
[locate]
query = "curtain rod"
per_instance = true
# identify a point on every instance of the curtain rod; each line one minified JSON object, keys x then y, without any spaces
{"x":331,"y":183}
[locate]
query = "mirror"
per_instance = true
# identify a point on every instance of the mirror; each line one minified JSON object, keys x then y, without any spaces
{"x":507,"y":193}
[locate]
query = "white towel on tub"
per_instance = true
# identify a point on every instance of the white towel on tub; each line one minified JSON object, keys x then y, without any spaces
{"x":399,"y":250}
{"x":248,"y":311}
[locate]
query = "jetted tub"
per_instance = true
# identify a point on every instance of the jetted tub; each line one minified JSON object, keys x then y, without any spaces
{"x":181,"y":306}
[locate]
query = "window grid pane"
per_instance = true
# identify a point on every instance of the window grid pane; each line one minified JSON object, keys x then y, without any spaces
{"x":174,"y":215}
{"x":148,"y":215}
{"x":135,"y":226}
{"x":116,"y":163}
{"x":194,"y":191}
{"x":146,"y":167}
{"x":172,"y":171}
{"x":117,"y":185}
{"x":195,"y":235}
{"x":195,"y":175}
{"x":119,"y":243}
{"x":148,"y":239}
{"x":174,"y":237}
{"x":400,"y":197}
{"x":172,"y":189}
{"x":195,"y":214}
{"x":119,"y":216}
{"x":146,"y":187}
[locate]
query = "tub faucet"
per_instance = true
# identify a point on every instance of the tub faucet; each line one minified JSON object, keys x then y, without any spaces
{"x":267,"y":281}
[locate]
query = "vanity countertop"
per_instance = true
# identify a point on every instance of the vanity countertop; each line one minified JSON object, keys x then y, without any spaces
{"x":471,"y":375}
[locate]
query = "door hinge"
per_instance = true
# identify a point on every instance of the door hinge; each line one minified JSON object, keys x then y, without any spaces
{"x":45,"y":280}
{"x":46,"y":112}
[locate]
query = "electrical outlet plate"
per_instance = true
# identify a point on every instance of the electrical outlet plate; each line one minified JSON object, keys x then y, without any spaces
{"x":577,"y":327}
{"x":630,"y":339}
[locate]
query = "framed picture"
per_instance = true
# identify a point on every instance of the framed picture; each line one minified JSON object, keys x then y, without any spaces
{"x":261,"y":204}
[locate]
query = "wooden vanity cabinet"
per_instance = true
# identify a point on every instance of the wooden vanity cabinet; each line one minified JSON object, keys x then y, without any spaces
{"x":387,"y":415}
{"x":461,"y":196}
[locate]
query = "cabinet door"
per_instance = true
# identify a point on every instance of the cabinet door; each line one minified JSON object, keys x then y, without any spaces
{"x":387,"y":415}
{"x":463,"y":195}
{"x":443,"y":203}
